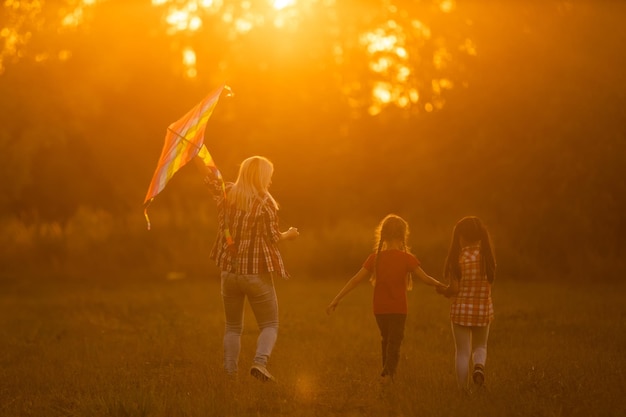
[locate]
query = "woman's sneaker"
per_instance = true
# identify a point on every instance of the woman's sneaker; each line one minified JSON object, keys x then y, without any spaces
{"x":479,"y":375}
{"x":261,"y":373}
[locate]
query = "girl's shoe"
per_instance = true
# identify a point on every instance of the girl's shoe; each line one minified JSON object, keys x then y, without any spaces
{"x":479,"y":375}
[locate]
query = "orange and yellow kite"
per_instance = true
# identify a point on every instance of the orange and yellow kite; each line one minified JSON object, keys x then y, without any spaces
{"x":183,"y":141}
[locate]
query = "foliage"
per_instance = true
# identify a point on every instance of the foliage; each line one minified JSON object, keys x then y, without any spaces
{"x":530,"y":140}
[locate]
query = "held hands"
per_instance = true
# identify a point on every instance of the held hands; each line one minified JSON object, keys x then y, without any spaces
{"x":440,"y":285}
{"x":447,"y":291}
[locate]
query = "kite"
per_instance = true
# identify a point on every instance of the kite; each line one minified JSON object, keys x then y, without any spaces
{"x":183,"y":141}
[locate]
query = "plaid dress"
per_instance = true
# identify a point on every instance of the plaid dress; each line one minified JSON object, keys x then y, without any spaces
{"x":472,"y":306}
{"x":255,"y":233}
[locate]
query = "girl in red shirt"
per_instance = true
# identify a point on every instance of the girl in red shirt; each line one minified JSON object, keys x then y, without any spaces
{"x":470,"y":268}
{"x":389,"y":269}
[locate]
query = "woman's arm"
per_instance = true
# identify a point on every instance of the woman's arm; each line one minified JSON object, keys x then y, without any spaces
{"x":204,"y":170}
{"x":209,"y":177}
{"x":350,"y":285}
{"x":427,"y":279}
{"x":272,"y":227}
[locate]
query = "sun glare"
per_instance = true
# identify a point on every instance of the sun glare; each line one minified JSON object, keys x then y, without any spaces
{"x":394,"y":47}
{"x":447,"y":6}
{"x":244,"y":25}
{"x":469,"y":47}
{"x":23,"y":18}
{"x":282,"y":4}
{"x":391,"y":61}
{"x":189,"y":61}
{"x":441,"y":57}
{"x":76,"y":16}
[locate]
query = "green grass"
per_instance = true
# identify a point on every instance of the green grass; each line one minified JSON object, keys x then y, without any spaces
{"x":154,"y":348}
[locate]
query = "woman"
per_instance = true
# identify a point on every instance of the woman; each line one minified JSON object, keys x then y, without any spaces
{"x":246,"y":251}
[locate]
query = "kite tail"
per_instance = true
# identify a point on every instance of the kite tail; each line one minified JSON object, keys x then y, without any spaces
{"x":204,"y":154}
{"x":145,"y":212}
{"x":229,"y":241}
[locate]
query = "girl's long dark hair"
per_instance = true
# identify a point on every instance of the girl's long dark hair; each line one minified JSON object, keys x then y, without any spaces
{"x":472,"y":229}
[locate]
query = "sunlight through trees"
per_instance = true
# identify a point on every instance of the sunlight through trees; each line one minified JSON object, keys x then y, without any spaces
{"x":380,"y":53}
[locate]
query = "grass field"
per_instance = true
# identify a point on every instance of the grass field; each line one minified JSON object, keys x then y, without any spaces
{"x":153,"y":348}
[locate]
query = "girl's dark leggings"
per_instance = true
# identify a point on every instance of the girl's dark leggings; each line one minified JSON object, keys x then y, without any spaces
{"x":392,"y":333}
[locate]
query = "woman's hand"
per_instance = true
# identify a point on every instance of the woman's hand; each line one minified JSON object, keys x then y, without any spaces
{"x":290,"y":234}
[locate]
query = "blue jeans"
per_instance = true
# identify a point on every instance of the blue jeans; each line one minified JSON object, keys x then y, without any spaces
{"x":391,"y":328}
{"x":259,"y":289}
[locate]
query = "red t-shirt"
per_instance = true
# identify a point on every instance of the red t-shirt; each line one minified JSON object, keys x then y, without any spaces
{"x":390,"y":290}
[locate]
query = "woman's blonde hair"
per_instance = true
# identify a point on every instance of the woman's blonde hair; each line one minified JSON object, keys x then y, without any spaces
{"x":253,"y":181}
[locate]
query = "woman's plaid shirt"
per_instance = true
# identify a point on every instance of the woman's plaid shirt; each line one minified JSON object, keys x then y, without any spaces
{"x":472,"y":306}
{"x":255,"y":233}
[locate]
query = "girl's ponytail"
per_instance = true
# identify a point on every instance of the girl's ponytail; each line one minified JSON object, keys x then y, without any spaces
{"x":373,"y":277}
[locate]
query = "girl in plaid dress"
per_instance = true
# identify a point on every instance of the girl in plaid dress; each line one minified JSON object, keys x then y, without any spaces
{"x":470,"y":268}
{"x":389,"y":268}
{"x":246,"y":251}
